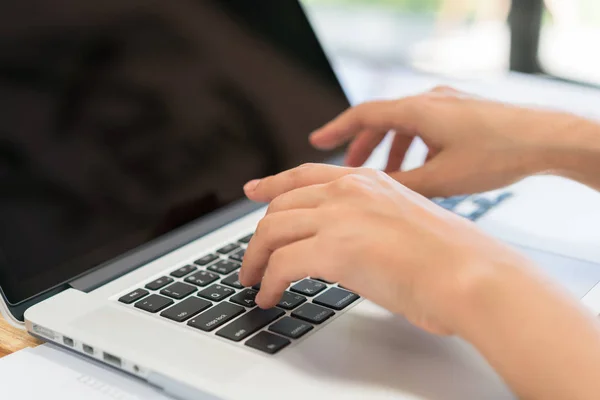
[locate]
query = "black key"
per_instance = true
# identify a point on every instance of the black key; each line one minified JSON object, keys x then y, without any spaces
{"x":216,"y":316}
{"x":245,"y":298}
{"x":249,"y":323}
{"x":216,"y":292}
{"x":178,"y":290}
{"x":159,"y":283}
{"x":268,"y":342}
{"x":308,"y":287}
{"x":289,"y":301}
{"x":336,"y":298}
{"x":238,"y":256}
{"x":233,"y":281}
{"x":246,"y":239}
{"x":290,"y":327}
{"x":257,"y":286}
{"x":154,"y":303}
{"x":133,"y":296}
{"x":230,"y":248}
{"x":202,"y":278}
{"x":224,"y":267}
{"x":186,"y":309}
{"x":207,"y":259}
{"x":183,"y":271}
{"x":313,"y":313}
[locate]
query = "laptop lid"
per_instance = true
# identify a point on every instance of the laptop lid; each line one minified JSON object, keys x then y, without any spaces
{"x":124,"y":123}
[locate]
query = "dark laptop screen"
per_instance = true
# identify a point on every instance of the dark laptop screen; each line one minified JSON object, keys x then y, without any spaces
{"x":121,"y":120}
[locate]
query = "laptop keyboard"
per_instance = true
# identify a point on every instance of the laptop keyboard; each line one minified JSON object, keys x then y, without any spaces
{"x":208,"y":297}
{"x":474,"y":207}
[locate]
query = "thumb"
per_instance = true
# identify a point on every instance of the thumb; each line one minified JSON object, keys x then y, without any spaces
{"x":431,"y":180}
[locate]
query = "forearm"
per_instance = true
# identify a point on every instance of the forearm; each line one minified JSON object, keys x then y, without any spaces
{"x":539,"y":339}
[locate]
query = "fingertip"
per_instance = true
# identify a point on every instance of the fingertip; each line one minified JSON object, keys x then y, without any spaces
{"x":263,"y":301}
{"x":251,"y":186}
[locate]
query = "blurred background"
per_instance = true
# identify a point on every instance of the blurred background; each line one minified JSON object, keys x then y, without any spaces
{"x":465,"y":38}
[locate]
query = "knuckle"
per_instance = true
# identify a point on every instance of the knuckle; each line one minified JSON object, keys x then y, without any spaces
{"x":265,"y":227}
{"x":277,"y":261}
{"x":350,"y":183}
{"x":443,"y":89}
{"x":275,"y":205}
{"x":307,"y":165}
{"x":372,"y":173}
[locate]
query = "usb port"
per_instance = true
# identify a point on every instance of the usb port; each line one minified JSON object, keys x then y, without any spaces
{"x":89,"y":350}
{"x":68,"y":341}
{"x":109,"y":358}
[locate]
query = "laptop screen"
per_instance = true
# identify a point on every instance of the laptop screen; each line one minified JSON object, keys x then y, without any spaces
{"x":122,"y":120}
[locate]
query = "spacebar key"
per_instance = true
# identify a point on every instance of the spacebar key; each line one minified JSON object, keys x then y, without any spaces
{"x":249,"y":323}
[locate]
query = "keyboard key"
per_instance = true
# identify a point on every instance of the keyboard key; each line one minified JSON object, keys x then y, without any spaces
{"x":336,"y":298}
{"x":245,"y":298}
{"x":230,"y":248}
{"x":313,"y":313}
{"x":159,"y":283}
{"x":224,"y":267}
{"x":246,"y":239}
{"x":233,"y":281}
{"x":207,"y":259}
{"x":178,"y":290}
{"x":291,"y":327}
{"x":249,"y":323}
{"x":133,"y":296}
{"x":238,"y":256}
{"x":257,"y":286}
{"x":216,"y":292}
{"x":186,"y":309}
{"x":308,"y":287}
{"x":267,"y":342}
{"x":323,"y":280}
{"x":183,"y":271}
{"x":154,"y":303}
{"x":216,"y":316}
{"x":289,"y":301}
{"x":202,"y":278}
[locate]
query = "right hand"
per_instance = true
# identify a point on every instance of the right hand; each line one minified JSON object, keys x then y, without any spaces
{"x":474,"y":145}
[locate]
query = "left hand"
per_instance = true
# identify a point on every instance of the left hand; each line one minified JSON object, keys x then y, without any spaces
{"x":363,"y":229}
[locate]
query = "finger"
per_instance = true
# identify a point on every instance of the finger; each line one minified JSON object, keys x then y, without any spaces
{"x":381,"y":116}
{"x":275,"y":231}
{"x":266,"y":189}
{"x":431,"y":154}
{"x":286,"y":265}
{"x":431,"y":180}
{"x":362,"y":147}
{"x":303,"y":198}
{"x":400,"y":145}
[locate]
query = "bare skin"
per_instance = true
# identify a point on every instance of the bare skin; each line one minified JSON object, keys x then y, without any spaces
{"x":455,"y":280}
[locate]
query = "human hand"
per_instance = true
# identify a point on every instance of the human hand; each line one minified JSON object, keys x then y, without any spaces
{"x":361,"y":228}
{"x":474,"y":145}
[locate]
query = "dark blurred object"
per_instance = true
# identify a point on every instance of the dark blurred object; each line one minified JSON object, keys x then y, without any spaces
{"x":525,"y":22}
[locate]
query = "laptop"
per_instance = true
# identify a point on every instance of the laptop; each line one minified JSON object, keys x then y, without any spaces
{"x":128,"y":128}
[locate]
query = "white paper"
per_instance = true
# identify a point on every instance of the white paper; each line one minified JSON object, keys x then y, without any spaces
{"x":47,"y":372}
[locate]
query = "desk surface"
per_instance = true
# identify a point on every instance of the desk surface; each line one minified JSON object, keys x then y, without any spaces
{"x":12,"y":339}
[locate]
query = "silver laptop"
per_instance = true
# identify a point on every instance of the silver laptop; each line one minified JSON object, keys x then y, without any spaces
{"x":128,"y":128}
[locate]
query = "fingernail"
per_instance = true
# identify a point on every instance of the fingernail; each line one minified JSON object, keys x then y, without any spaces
{"x":251,"y":186}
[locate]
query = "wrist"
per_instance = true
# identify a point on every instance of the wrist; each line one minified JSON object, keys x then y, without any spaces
{"x":573,"y":151}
